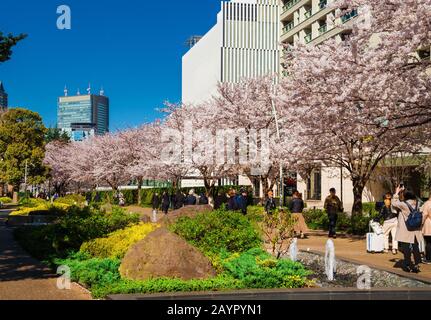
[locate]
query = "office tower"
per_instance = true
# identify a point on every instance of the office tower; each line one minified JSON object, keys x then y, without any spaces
{"x":83,"y":116}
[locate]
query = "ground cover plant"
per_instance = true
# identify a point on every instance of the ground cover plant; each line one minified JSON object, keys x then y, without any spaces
{"x":92,"y":243}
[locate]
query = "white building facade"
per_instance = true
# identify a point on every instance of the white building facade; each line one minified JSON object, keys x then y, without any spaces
{"x":244,"y":43}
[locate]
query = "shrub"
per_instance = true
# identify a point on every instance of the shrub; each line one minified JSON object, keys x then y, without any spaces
{"x":258,"y":269}
{"x":90,"y":272}
{"x":71,"y":230}
{"x":117,"y":244}
{"x":278,"y":229}
{"x":71,"y":200}
{"x":41,"y":208}
{"x":5,"y":200}
{"x":218,"y":230}
{"x":357,"y":225}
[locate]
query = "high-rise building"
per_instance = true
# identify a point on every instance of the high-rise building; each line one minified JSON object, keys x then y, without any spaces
{"x":244,"y":43}
{"x":82,"y":116}
{"x":3,"y":98}
{"x":306,"y":22}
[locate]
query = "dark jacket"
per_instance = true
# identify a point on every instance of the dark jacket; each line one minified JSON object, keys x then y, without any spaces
{"x":270,"y":205}
{"x":232,"y":204}
{"x":242,"y":204}
{"x":386,"y":214}
{"x":333,"y":205}
{"x":297,"y":206}
{"x":155,"y":201}
{"x":219,"y":201}
{"x":179,"y":201}
{"x":191,"y":200}
{"x":166,"y":201}
{"x":203,"y":200}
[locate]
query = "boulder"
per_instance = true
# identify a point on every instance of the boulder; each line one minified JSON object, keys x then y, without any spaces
{"x":189,"y":211}
{"x":164,"y":254}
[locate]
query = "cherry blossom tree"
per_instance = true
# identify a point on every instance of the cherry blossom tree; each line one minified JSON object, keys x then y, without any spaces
{"x":353,"y":103}
{"x":248,"y":106}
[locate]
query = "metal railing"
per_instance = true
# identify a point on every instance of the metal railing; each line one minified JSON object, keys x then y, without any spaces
{"x":323,"y":29}
{"x":288,"y":27}
{"x":289,"y":5}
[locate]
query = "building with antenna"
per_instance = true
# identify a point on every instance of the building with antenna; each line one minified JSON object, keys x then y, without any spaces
{"x":3,"y":98}
{"x":83,"y":116}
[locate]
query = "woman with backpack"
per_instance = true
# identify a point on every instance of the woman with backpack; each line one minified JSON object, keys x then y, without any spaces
{"x":409,"y":230}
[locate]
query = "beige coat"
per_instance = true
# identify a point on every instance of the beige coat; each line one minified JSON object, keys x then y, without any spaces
{"x":426,"y":209}
{"x":404,"y":235}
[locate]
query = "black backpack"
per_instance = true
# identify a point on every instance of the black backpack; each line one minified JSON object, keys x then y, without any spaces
{"x":414,"y":221}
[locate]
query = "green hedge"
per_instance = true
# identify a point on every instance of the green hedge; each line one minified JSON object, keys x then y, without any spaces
{"x":317,"y":219}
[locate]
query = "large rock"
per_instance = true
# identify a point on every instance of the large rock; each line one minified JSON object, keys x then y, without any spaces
{"x":189,"y":211}
{"x":164,"y":254}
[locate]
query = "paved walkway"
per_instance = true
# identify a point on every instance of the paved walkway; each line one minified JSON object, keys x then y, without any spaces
{"x":24,"y":278}
{"x":354,"y":250}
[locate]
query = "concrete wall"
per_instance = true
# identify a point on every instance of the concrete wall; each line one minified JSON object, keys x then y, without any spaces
{"x":202,"y":68}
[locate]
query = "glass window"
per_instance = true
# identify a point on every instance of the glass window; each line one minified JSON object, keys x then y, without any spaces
{"x":314,"y":185}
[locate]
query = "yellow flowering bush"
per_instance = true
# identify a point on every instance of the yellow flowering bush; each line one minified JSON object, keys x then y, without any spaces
{"x":38,"y":206}
{"x":25,"y":211}
{"x":5,"y":200}
{"x":116,"y":245}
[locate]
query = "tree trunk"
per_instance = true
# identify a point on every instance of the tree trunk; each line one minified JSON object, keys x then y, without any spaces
{"x":140,"y":182}
{"x":209,"y":187}
{"x":266,"y":187}
{"x":358,"y":190}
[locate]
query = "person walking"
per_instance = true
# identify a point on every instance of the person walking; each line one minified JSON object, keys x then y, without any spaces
{"x":296,"y":208}
{"x":219,"y":200}
{"x":203,"y":199}
{"x":243,"y":202}
{"x":390,"y":224}
{"x":408,"y":240}
{"x":179,"y":200}
{"x":333,"y":206}
{"x":270,"y":204}
{"x":155,"y":201}
{"x":166,"y":202}
{"x":191,"y":199}
{"x":232,"y":203}
{"x":426,"y":230}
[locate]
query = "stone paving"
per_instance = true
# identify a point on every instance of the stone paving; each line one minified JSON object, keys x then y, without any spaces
{"x":24,"y":278}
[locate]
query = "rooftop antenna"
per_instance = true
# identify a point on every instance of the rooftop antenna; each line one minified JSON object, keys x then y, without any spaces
{"x":89,"y":89}
{"x":102,"y":92}
{"x":191,"y":42}
{"x":65,"y":91}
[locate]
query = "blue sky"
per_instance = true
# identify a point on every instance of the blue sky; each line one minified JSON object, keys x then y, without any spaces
{"x":131,"y":47}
